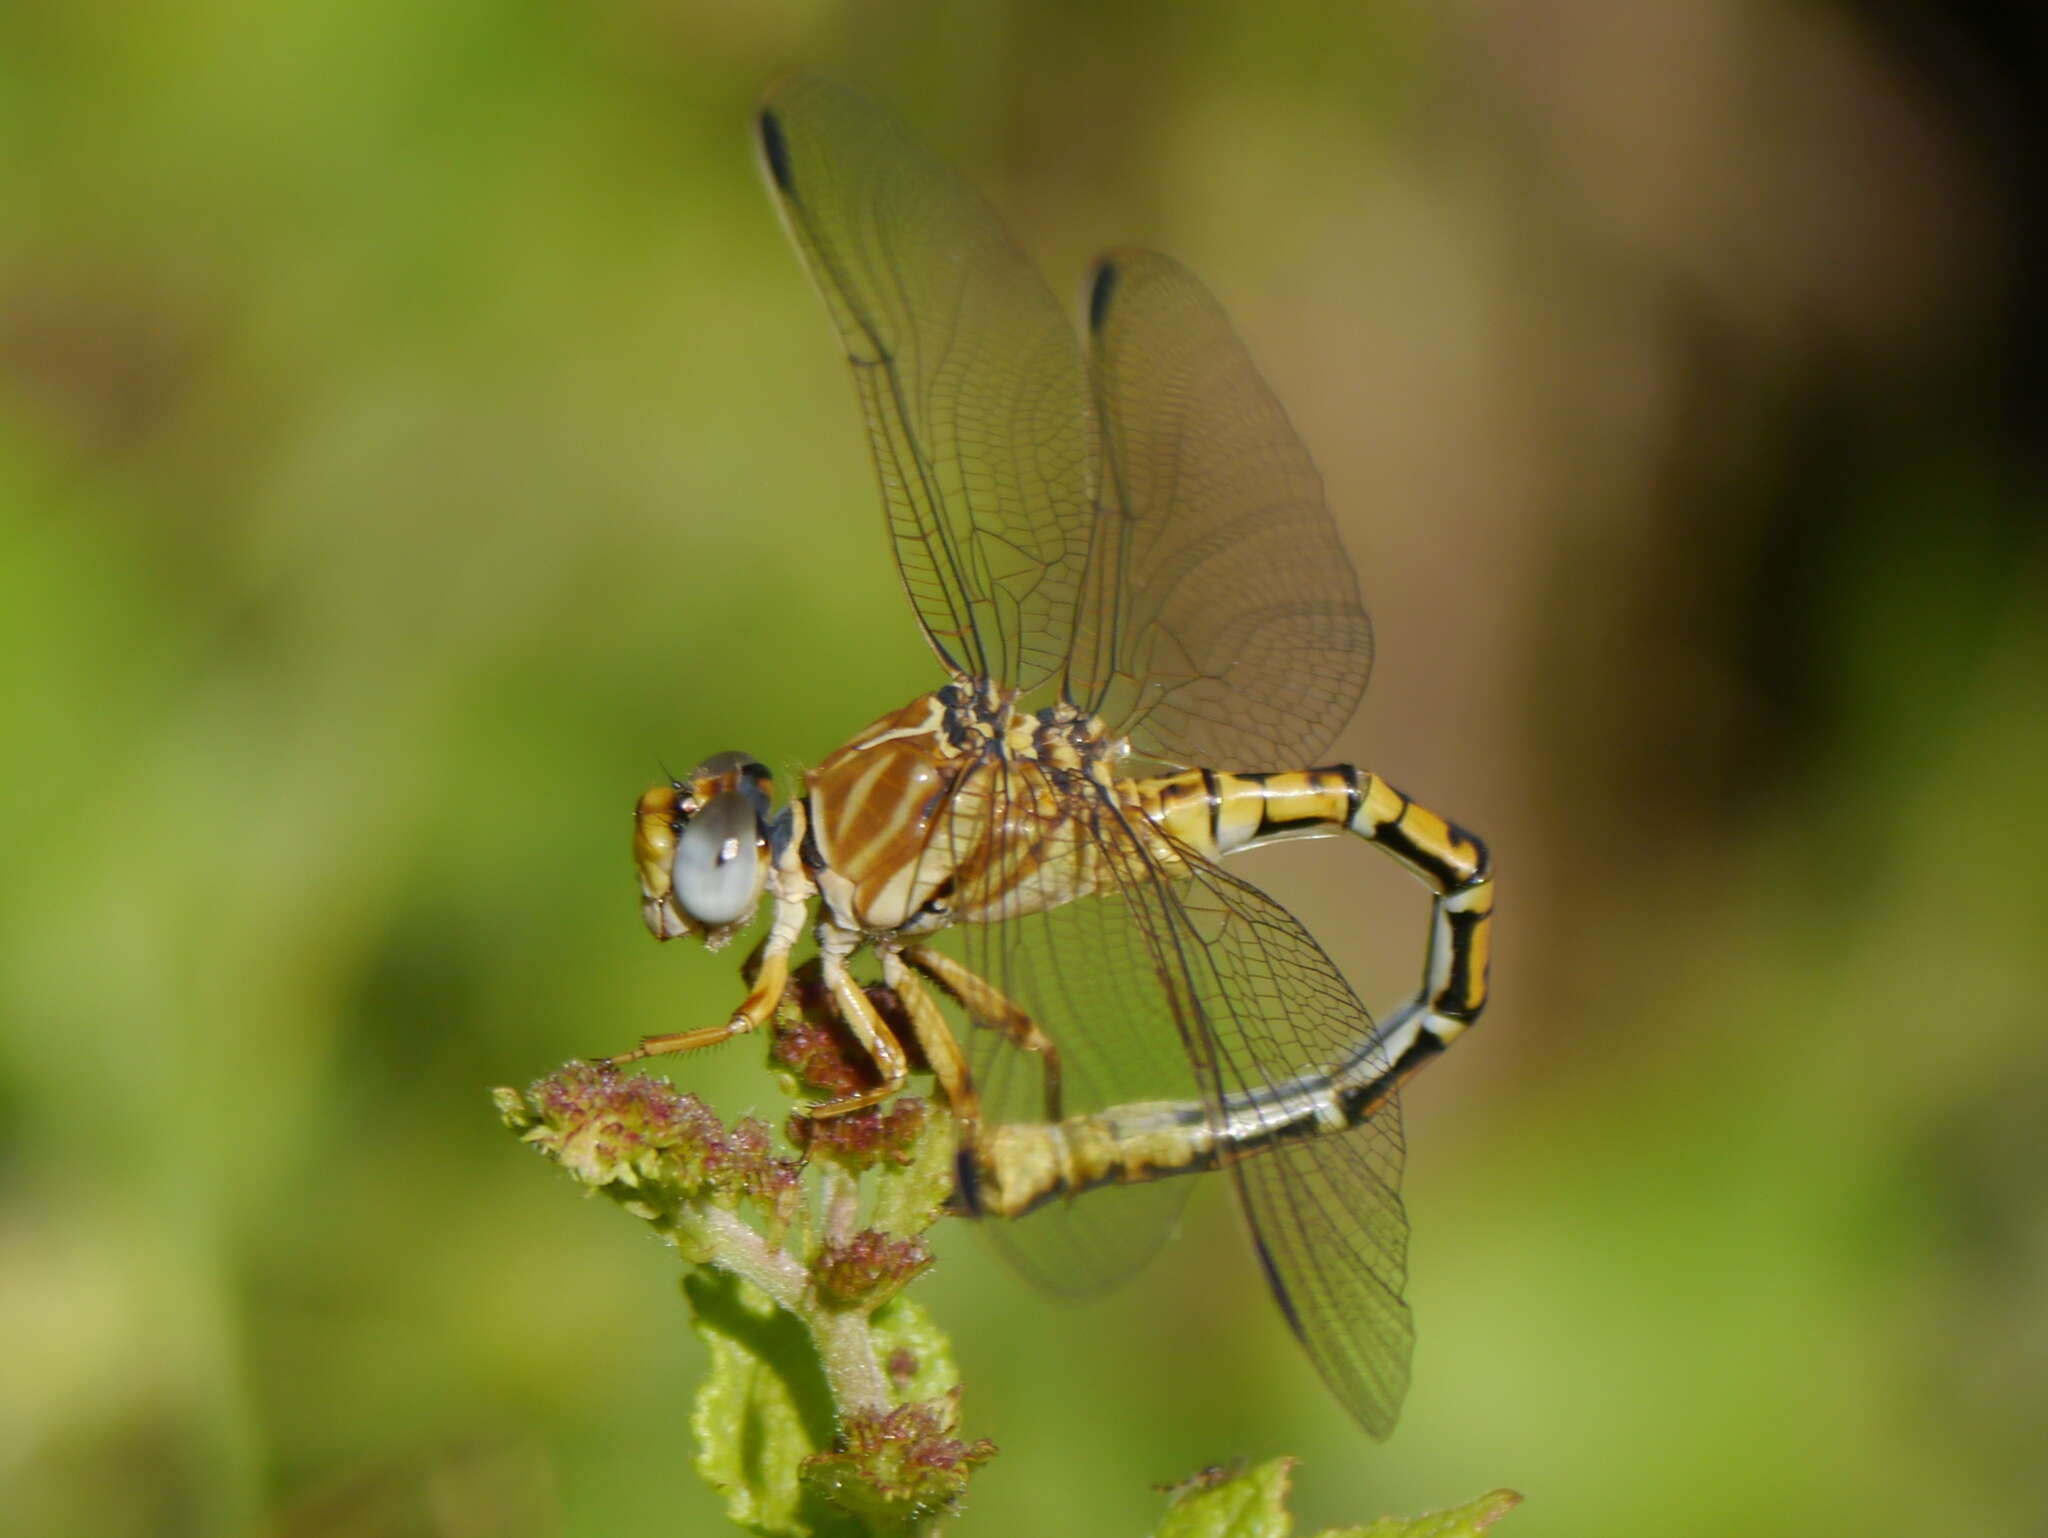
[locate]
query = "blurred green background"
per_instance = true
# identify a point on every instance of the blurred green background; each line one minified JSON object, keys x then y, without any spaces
{"x":414,"y":431}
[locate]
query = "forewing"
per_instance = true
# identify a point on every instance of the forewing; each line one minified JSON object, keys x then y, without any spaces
{"x":976,"y":398}
{"x":1221,"y":622}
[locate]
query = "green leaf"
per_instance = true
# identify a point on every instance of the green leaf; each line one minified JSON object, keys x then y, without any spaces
{"x":1253,"y":1504}
{"x":914,"y":1352}
{"x":1466,"y":1521}
{"x":1248,"y":1505}
{"x":909,"y":1198}
{"x":763,"y":1409}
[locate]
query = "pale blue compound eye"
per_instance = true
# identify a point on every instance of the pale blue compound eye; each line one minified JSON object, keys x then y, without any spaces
{"x":720,"y":862}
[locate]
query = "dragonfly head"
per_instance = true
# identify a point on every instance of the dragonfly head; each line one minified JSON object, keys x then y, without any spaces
{"x":701,"y":844}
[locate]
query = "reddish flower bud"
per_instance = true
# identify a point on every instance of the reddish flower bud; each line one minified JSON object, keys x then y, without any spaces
{"x":868,"y":1268}
{"x":893,"y":1467}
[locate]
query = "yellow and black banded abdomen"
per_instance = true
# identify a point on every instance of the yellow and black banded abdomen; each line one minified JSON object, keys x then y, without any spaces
{"x":1218,"y":813}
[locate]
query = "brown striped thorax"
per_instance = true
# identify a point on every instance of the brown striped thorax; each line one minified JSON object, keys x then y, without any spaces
{"x":957,"y":808}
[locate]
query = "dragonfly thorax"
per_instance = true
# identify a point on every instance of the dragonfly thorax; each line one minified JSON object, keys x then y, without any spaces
{"x":702,"y":846}
{"x":958,"y":807}
{"x":1062,"y":738}
{"x":1067,"y":740}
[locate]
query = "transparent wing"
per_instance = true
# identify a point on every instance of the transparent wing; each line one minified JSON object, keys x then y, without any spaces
{"x":1182,"y":982}
{"x":1325,"y":1214}
{"x":1095,"y":976}
{"x":969,"y":374}
{"x":1221,"y":622}
{"x":1327,"y":1221}
{"x":1087,"y":972}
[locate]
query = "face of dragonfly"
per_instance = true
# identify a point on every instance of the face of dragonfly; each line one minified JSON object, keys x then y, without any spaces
{"x":701,"y":845}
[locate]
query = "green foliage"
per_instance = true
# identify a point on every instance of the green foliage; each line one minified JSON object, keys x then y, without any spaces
{"x":1253,"y":1504}
{"x":415,"y":426}
{"x":832,"y":1400}
{"x":900,"y":1469}
{"x":1466,"y":1521}
{"x":765,"y":1420}
{"x":762,"y":1410}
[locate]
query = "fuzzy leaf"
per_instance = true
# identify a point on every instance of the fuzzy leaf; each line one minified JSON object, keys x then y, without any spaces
{"x":910,"y":1197}
{"x":763,"y":1409}
{"x":914,"y":1352}
{"x":1466,"y":1521}
{"x":1248,"y":1505}
{"x":1254,"y":1505}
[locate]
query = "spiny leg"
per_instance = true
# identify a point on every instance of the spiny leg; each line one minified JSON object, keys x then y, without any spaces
{"x":770,"y":980}
{"x":935,"y":1037}
{"x":868,"y":1027}
{"x":990,"y":1007}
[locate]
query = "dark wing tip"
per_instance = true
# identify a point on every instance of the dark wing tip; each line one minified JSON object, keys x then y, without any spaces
{"x":775,"y":150}
{"x":1100,"y":292}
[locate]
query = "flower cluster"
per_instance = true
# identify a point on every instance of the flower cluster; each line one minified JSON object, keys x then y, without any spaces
{"x":829,"y":1238}
{"x":896,"y":1466}
{"x":629,"y":1133}
{"x":860,"y":1140}
{"x":867,"y":1269}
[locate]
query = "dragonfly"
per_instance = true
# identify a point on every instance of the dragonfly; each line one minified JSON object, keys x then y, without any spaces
{"x":1122,"y":558}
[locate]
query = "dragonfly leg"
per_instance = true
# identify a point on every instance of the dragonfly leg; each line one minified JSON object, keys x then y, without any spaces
{"x":935,"y":1036}
{"x":873,"y":1033}
{"x":990,"y":1007}
{"x":771,"y":977}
